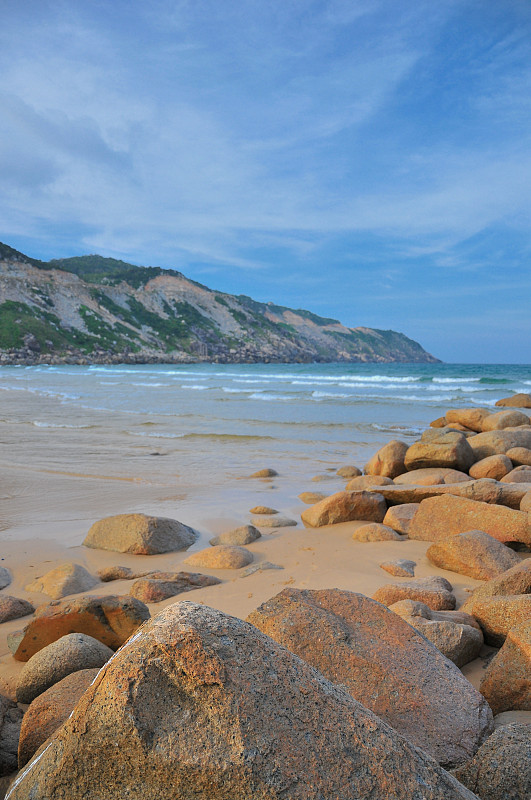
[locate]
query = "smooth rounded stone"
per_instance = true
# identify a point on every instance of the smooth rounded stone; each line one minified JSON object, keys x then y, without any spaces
{"x":376,"y":532}
{"x":519,"y":400}
{"x":446,"y":515}
{"x":492,"y":467}
{"x":473,"y":553}
{"x":435,"y":592}
{"x":65,"y":579}
{"x":345,"y":507}
{"x":460,"y":643}
{"x":432,"y":476}
{"x":388,"y":461}
{"x":310,"y":498}
{"x":5,"y":577}
{"x":516,"y":580}
{"x":504,"y":419}
{"x":386,"y":665}
{"x":13,"y":608}
{"x":245,"y":534}
{"x":507,"y":681}
{"x":501,"y":768}
{"x":401,"y":568}
{"x":497,"y":615}
{"x":196,"y":719}
{"x":348,"y":471}
{"x":520,"y":474}
{"x":471,"y":418}
{"x":520,"y":456}
{"x":399,"y":517}
{"x":49,"y":710}
{"x":110,"y":619}
{"x":364,"y":481}
{"x":221,"y":556}
{"x":159,"y":586}
{"x":263,"y":510}
{"x":119,"y":573}
{"x":140,"y":534}
{"x":500,"y":441}
{"x":446,"y":450}
{"x":10,"y":721}
{"x":264,"y":473}
{"x":278,"y":521}
{"x":57,"y":660}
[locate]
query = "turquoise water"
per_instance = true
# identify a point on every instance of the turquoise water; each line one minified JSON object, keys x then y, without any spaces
{"x":277,"y":409}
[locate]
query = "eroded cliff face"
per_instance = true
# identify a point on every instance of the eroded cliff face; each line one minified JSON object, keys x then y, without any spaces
{"x":93,"y":309}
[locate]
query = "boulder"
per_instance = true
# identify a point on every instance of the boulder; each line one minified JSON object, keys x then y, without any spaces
{"x":435,"y":592}
{"x":195,"y":720}
{"x":10,"y":720}
{"x":245,"y":534}
{"x":460,"y":643}
{"x":364,"y":481}
{"x":5,"y":577}
{"x":221,"y":556}
{"x":160,"y":585}
{"x":507,"y":682}
{"x":495,"y":467}
{"x":310,"y":498}
{"x":49,"y":710}
{"x":430,"y":435}
{"x":446,"y":450}
{"x":262,"y":510}
{"x":443,"y":516}
{"x":520,"y":456}
{"x":375,"y":532}
{"x":389,"y":460}
{"x":473,"y":553}
{"x":431,"y":476}
{"x":400,"y":568}
{"x":384,"y":663}
{"x":63,"y":580}
{"x":520,"y":474}
{"x":440,"y":422}
{"x":57,"y":660}
{"x":498,"y":615}
{"x":516,"y":580}
{"x":471,"y":418}
{"x":483,"y":490}
{"x":399,"y":517}
{"x":519,"y":400}
{"x":264,"y":473}
{"x":501,"y":768}
{"x":278,"y":521}
{"x":13,"y":608}
{"x":345,"y":507}
{"x":500,"y":441}
{"x":110,"y":619}
{"x":504,"y":419}
{"x":525,"y":503}
{"x":348,"y":472}
{"x":139,"y":534}
{"x":119,"y":573}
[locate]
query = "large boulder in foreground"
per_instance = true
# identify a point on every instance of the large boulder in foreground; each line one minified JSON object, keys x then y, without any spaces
{"x":446,"y":515}
{"x":473,"y":553}
{"x":507,"y":681}
{"x":49,"y":710}
{"x":10,"y":720}
{"x":385,"y":664}
{"x":139,"y":534}
{"x":345,"y":507}
{"x":501,"y":768}
{"x":203,"y":705}
{"x":388,"y":460}
{"x":110,"y":619}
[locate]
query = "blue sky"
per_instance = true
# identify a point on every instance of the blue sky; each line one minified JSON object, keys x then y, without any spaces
{"x":369,"y":160}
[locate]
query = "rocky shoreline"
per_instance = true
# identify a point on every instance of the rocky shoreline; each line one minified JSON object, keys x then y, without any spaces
{"x":318,"y":693}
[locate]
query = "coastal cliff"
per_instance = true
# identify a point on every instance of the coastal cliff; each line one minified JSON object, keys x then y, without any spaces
{"x":92,"y":309}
